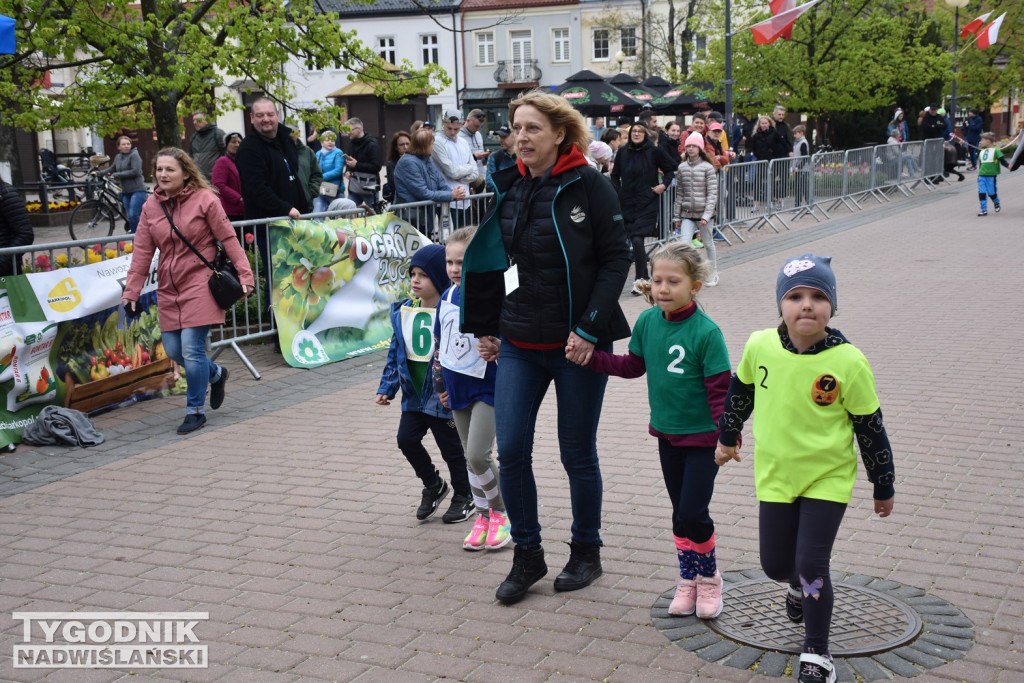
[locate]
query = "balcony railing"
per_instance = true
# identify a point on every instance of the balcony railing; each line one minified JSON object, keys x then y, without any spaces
{"x":509,"y":71}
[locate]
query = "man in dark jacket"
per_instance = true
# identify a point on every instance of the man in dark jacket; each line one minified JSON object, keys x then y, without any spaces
{"x":363,"y":163}
{"x":15,"y":228}
{"x":268,"y":166}
{"x":932,"y":125}
{"x":207,"y":144}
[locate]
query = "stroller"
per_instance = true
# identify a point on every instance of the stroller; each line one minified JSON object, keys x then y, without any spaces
{"x":56,"y":174}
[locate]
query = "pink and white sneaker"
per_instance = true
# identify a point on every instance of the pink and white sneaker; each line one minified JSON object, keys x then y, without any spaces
{"x":685,"y":601}
{"x":709,"y":596}
{"x":477,"y":536}
{"x":499,"y":531}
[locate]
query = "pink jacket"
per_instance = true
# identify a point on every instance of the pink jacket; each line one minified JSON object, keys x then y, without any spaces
{"x":183,"y":295}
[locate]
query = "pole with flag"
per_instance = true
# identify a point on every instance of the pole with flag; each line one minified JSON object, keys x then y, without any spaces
{"x":780,"y":25}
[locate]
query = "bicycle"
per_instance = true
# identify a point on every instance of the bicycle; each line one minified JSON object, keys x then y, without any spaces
{"x":55,"y":176}
{"x":96,"y":217}
{"x":80,"y":164}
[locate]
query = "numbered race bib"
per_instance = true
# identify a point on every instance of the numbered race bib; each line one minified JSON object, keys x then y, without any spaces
{"x":458,"y":351}
{"x":418,"y":330}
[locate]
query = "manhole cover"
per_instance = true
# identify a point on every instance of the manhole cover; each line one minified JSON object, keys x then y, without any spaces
{"x":864,"y":621}
{"x":880,"y":629}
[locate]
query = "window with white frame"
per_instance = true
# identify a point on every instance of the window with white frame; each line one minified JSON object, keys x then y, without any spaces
{"x":700,"y":48}
{"x":559,"y":45}
{"x":602,"y":44}
{"x":484,"y":48}
{"x":521,"y":49}
{"x":386,"y":48}
{"x":627,"y":41}
{"x":429,"y":44}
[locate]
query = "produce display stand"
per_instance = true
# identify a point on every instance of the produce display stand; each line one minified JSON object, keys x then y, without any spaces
{"x":109,"y":391}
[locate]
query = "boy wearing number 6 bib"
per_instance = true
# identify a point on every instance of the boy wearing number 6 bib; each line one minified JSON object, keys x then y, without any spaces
{"x":683,"y":353}
{"x":408,"y":366}
{"x":469,"y":391}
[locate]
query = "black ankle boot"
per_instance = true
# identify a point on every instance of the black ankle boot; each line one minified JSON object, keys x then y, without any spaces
{"x":528,"y":568}
{"x":583,"y":568}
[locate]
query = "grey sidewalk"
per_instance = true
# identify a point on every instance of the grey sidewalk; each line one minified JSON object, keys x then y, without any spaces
{"x":290,"y":517}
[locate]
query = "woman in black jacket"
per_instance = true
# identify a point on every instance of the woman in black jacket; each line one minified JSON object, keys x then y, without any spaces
{"x":766,"y":144}
{"x":15,"y":227}
{"x":544,"y":271}
{"x":642,"y":172}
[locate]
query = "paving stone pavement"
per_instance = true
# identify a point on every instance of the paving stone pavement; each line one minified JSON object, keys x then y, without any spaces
{"x":289,"y":518}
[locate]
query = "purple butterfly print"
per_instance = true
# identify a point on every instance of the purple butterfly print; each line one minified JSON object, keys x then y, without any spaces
{"x":812,"y":589}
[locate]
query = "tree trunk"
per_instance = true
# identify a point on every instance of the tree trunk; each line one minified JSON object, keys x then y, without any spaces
{"x":165,"y":119}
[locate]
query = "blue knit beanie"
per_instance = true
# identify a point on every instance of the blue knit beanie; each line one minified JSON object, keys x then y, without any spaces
{"x":807,"y":271}
{"x":432,"y":260}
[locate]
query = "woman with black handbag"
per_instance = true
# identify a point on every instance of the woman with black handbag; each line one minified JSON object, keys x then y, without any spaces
{"x":185,"y":221}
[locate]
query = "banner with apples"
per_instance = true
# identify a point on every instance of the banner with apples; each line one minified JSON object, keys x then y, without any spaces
{"x":334,"y":282}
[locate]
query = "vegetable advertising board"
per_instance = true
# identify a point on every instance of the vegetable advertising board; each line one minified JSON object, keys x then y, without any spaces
{"x":66,"y":328}
{"x":334,"y":283}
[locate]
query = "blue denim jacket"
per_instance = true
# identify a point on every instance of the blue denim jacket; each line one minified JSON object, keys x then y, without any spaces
{"x":396,"y":373}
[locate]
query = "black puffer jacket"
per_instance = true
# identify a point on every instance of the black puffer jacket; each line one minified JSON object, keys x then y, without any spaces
{"x":769,"y":144}
{"x":366,"y":152}
{"x":15,"y":227}
{"x":570,"y":252}
{"x":269,"y":170}
{"x":635,"y":172}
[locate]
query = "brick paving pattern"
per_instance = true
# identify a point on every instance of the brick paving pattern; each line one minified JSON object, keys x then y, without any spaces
{"x":289,"y":518}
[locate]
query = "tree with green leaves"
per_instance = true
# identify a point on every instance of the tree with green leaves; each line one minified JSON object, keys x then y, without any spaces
{"x":137,"y":63}
{"x":845,"y":57}
{"x":986,"y":76}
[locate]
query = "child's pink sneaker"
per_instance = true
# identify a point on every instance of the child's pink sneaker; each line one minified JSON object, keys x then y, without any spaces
{"x":477,"y":536}
{"x":709,"y":596}
{"x":685,"y":600}
{"x":499,"y":531}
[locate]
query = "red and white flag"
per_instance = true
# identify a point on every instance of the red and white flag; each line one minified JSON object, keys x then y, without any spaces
{"x":780,"y":6}
{"x":990,"y":34}
{"x":973,"y":26}
{"x":780,"y":25}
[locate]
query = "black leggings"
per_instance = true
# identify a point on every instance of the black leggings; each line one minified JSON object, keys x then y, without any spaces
{"x":640,"y":258}
{"x":411,"y":430}
{"x":796,"y":544}
{"x":689,"y":474}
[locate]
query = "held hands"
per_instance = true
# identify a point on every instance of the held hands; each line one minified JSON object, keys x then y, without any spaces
{"x":383,"y":400}
{"x":724,"y":454}
{"x":883,"y":508}
{"x":459,"y":192}
{"x":578,"y":350}
{"x":488,"y":348}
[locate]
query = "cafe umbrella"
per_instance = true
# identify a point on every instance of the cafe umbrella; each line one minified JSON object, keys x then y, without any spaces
{"x":684,"y":99}
{"x":656,"y":84}
{"x":632,"y":87}
{"x":591,"y":95}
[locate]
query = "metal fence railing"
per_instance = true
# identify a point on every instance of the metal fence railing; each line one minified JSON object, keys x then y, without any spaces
{"x":751,"y":195}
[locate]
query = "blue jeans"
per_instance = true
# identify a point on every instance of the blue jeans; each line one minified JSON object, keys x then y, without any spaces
{"x":187,"y":347}
{"x":523,"y":378}
{"x":133,"y":202}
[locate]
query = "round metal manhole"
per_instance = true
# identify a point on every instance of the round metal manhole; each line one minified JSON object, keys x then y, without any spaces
{"x":880,"y":629}
{"x":864,"y":621}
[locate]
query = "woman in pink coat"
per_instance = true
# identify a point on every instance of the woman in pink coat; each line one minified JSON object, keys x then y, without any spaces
{"x":186,"y":306}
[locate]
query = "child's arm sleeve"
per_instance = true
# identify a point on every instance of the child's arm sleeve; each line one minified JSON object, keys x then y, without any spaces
{"x":389,"y":377}
{"x":717,"y":387}
{"x":628,"y":365}
{"x":737,"y":407}
{"x":876,"y":453}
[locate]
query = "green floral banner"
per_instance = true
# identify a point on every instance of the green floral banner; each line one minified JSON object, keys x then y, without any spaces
{"x":334,"y":282}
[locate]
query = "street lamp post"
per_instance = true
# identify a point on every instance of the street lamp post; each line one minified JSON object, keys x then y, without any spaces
{"x":620,"y":57}
{"x":956,"y":5}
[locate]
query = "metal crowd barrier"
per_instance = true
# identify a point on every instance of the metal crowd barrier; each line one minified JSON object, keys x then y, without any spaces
{"x":751,"y":195}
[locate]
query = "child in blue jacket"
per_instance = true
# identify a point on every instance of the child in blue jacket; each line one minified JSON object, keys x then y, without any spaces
{"x":408,"y":366}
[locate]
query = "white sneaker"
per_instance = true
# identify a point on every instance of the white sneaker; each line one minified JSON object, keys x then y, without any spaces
{"x":713,"y":280}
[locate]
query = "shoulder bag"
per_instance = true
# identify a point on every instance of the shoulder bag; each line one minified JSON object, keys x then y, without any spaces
{"x":224,"y":284}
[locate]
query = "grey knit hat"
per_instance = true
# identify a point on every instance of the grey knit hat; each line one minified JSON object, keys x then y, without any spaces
{"x":807,"y":271}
